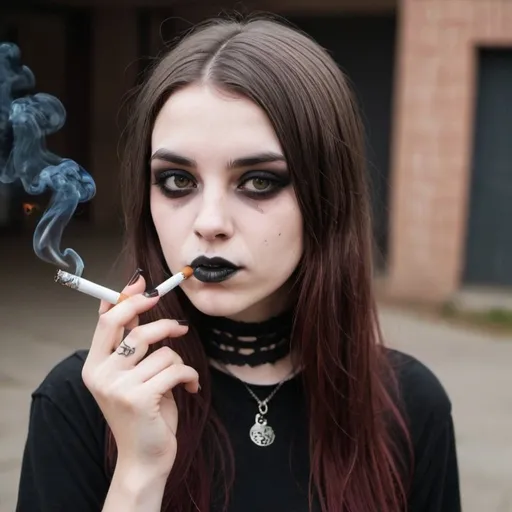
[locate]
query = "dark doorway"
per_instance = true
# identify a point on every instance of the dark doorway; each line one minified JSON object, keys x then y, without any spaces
{"x":78,"y":94}
{"x":489,"y":239}
{"x":364,"y":48}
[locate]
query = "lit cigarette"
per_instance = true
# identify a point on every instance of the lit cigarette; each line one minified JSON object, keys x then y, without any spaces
{"x":111,"y":296}
{"x":174,"y":281}
{"x":89,"y":288}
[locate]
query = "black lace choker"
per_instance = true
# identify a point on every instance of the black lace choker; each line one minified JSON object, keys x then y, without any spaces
{"x":243,"y":343}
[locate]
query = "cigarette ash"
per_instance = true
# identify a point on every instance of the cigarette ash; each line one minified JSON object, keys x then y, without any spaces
{"x":25,"y":121}
{"x":67,"y":279}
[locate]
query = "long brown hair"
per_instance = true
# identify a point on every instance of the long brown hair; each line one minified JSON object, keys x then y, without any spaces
{"x":356,"y":461}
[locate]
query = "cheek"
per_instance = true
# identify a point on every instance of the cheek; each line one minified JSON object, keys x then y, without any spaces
{"x":290,"y":244}
{"x":169,"y":228}
{"x":158,"y":214}
{"x":282,"y":241}
{"x":290,"y":227}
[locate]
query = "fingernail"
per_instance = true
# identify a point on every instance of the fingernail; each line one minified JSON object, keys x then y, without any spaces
{"x":151,"y":293}
{"x":182,"y":322}
{"x":135,"y":276}
{"x":199,"y":387}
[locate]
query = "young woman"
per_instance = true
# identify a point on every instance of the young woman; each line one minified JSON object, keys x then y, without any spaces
{"x":261,"y":383}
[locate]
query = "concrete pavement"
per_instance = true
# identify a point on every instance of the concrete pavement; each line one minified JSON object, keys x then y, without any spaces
{"x":43,"y":322}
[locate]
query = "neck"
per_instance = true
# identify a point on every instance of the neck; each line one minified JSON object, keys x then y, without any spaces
{"x":254,"y":352}
{"x":265,"y":374}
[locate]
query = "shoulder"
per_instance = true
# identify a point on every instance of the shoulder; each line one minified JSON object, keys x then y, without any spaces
{"x":428,"y":412}
{"x":65,"y":392}
{"x":423,"y":396}
{"x":65,"y":376}
{"x":65,"y":448}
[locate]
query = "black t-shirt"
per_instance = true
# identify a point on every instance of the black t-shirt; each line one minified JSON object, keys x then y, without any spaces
{"x":63,"y":465}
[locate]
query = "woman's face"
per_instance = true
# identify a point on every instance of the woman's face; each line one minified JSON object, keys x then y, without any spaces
{"x":220,"y":188}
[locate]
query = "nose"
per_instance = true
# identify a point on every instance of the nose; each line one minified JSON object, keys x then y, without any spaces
{"x":213,"y":221}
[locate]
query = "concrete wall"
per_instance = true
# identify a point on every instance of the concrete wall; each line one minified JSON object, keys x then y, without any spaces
{"x":433,"y":128}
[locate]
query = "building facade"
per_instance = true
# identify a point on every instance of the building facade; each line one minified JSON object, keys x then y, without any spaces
{"x":433,"y":77}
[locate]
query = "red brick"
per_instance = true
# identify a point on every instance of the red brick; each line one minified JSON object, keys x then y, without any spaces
{"x":433,"y":139}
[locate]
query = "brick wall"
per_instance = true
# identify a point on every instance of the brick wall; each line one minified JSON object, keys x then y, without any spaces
{"x":433,"y":130}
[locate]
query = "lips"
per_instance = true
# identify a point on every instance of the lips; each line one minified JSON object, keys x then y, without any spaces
{"x":213,"y":270}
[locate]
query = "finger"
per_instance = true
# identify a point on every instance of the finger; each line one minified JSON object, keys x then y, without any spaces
{"x":155,"y":363}
{"x":170,"y":377}
{"x":135,"y":346}
{"x":135,"y":285}
{"x":111,"y":325}
{"x":135,"y":277}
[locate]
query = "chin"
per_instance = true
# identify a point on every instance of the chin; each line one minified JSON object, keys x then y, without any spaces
{"x":218,"y":304}
{"x":214,"y":300}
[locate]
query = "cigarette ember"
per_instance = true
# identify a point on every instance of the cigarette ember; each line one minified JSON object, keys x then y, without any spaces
{"x":89,"y":288}
{"x":30,"y":208}
{"x":174,"y":281}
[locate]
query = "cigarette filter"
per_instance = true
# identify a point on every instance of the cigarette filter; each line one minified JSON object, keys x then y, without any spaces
{"x":174,"y":281}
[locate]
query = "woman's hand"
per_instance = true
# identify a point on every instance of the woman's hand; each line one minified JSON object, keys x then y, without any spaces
{"x":135,"y":395}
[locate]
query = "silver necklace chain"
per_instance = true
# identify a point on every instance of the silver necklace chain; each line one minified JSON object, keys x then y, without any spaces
{"x":261,"y":433}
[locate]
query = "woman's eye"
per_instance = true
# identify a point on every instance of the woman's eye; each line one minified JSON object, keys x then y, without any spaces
{"x":258,"y":185}
{"x":177,"y":182}
{"x":174,"y":184}
{"x":263,"y":184}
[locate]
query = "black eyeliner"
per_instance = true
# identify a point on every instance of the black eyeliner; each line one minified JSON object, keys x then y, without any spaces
{"x":278,"y":180}
{"x":276,"y":176}
{"x":160,"y":176}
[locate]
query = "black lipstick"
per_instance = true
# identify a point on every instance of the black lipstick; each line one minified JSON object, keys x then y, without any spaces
{"x":213,"y":270}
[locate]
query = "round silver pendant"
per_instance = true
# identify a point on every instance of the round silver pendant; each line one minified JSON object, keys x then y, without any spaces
{"x":262,"y":434}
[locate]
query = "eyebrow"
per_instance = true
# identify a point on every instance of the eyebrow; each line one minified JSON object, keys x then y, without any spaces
{"x":248,"y":161}
{"x":261,"y":158}
{"x":171,"y":157}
